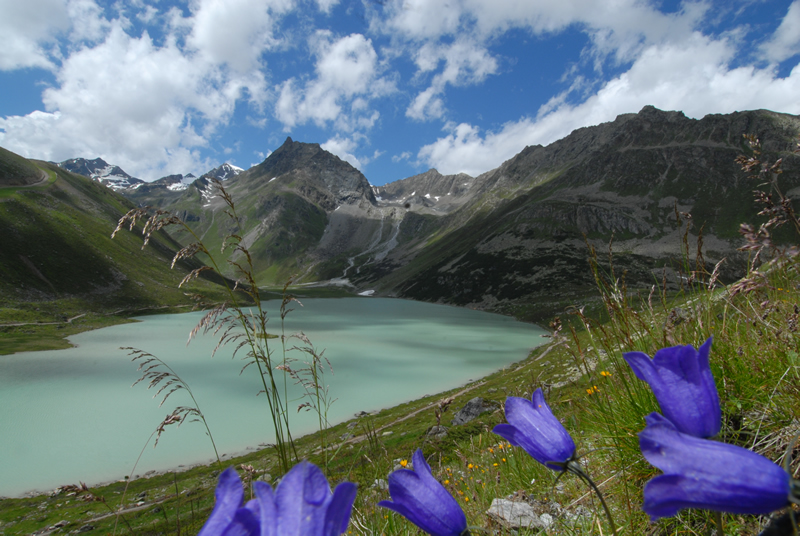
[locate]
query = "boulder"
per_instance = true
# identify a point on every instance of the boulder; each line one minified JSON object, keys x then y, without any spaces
{"x":437,"y":432}
{"x":472,"y":410}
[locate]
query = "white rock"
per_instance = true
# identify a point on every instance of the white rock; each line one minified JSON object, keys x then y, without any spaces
{"x":516,"y":514}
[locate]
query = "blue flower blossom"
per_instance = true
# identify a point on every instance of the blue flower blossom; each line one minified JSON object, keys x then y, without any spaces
{"x":681,"y":380}
{"x":532,"y":426}
{"x":301,"y":505}
{"x":420,"y":498}
{"x":700,"y":473}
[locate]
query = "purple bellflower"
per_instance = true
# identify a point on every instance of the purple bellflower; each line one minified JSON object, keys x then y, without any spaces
{"x":301,"y":505}
{"x":420,"y":498}
{"x":701,"y":473}
{"x":682,"y":382}
{"x":532,"y":426}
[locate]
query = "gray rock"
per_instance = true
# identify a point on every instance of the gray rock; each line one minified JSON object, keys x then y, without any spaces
{"x":380,"y":484}
{"x":516,"y":514}
{"x":437,"y":432}
{"x":86,"y":528}
{"x":472,"y":410}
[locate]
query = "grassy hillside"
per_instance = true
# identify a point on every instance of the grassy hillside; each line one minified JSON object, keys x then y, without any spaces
{"x":58,"y":261}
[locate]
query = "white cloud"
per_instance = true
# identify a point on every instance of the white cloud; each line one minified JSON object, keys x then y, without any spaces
{"x":693,"y":77}
{"x":130,"y":102}
{"x":343,"y":148}
{"x":88,"y":23}
{"x":29,"y":29}
{"x":405,"y":155}
{"x":614,"y":26}
{"x":148,"y":15}
{"x":327,"y":5}
{"x":785,"y":43}
{"x":418,"y":19}
{"x":427,"y":105}
{"x":347,"y":76}
{"x":146,"y":107}
{"x":235,"y":32}
{"x":465,"y":62}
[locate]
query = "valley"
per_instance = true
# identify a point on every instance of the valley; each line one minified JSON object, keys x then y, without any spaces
{"x":531,"y":239}
{"x":653,"y":184}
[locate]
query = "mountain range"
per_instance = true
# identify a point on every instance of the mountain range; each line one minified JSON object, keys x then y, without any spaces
{"x":512,"y":240}
{"x":116,"y":179}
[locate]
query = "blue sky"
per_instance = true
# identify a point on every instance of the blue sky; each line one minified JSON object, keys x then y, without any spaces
{"x":395,"y":87}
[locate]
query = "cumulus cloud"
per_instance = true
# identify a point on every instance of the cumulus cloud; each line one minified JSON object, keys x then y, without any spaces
{"x":347,"y":77}
{"x":694,"y":77}
{"x":131,"y":102}
{"x":420,"y":19}
{"x":235,"y":32}
{"x":29,"y":29}
{"x":465,"y":62}
{"x":615,"y":27}
{"x":785,"y":43}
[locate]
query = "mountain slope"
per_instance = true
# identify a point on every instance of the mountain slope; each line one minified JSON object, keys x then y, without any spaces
{"x":56,"y":245}
{"x":511,"y":237}
{"x":520,"y":239}
{"x":300,"y":211}
{"x":101,"y":171}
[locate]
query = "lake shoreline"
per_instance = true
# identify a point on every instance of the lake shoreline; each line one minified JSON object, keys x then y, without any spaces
{"x":59,"y":341}
{"x":419,"y":347}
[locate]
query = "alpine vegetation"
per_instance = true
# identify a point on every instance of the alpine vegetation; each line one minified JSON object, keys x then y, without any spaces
{"x":241,"y":320}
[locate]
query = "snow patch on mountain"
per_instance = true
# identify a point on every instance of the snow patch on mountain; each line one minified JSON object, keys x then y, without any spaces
{"x":101,"y":171}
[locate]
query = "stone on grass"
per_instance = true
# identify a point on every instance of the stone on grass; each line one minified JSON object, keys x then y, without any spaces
{"x":517,"y":514}
{"x":472,"y":410}
{"x":437,"y":432}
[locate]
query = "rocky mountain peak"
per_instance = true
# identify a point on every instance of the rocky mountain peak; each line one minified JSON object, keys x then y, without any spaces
{"x":309,"y":162}
{"x":223,"y":172}
{"x":101,"y":171}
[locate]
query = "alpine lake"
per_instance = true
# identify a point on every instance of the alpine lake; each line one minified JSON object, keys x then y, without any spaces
{"x":72,"y":415}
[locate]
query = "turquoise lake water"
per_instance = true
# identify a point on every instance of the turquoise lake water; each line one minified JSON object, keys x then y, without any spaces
{"x":71,"y":415}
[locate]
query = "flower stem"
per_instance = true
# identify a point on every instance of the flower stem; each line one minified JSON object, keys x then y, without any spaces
{"x":576,"y":470}
{"x":718,"y":521}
